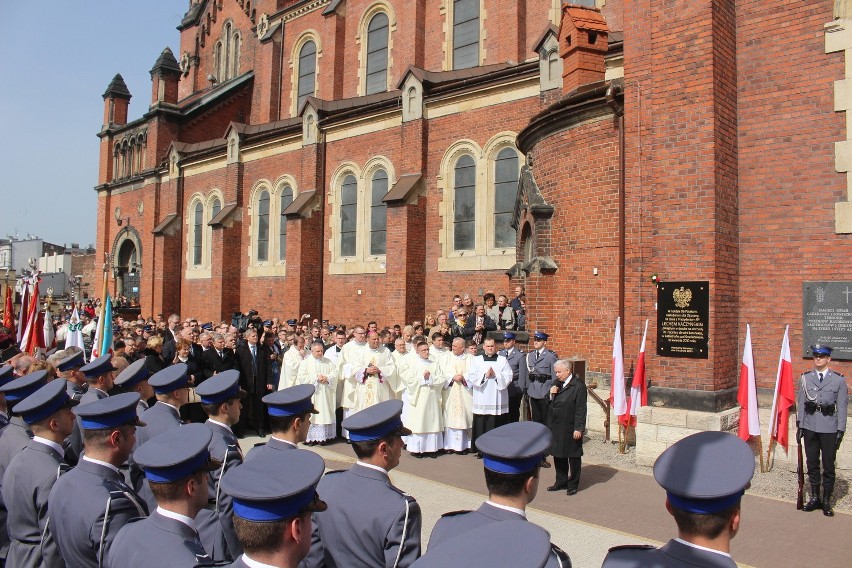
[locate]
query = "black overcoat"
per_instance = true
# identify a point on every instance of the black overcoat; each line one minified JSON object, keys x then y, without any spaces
{"x":565,"y":414}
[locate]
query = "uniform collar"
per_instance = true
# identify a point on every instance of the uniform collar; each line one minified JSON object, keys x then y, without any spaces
{"x":50,"y":444}
{"x":101,"y":463}
{"x":520,"y":512}
{"x":704,"y":548}
{"x":254,"y":563}
{"x":188,"y":521}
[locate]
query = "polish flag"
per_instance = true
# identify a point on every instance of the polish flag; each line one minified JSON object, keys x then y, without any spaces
{"x":747,"y":393}
{"x":618,"y":397}
{"x":785,"y":395}
{"x":29,"y":339}
{"x":639,"y":386}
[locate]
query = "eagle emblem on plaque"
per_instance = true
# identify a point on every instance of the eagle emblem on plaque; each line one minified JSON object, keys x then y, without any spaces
{"x":682,"y":297}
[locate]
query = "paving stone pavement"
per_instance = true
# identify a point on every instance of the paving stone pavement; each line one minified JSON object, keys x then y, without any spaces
{"x":614,"y":507}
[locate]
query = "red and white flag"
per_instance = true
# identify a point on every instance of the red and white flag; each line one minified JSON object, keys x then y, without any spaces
{"x":747,"y":393}
{"x":22,"y":316}
{"x":639,"y":386}
{"x":29,"y":339}
{"x":618,"y":396}
{"x":785,"y":395}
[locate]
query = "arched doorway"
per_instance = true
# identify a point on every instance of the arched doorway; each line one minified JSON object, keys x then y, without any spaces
{"x":127,"y":267}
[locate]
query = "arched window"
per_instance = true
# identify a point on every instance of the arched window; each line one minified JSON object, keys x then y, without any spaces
{"x":286,"y":200}
{"x":348,"y":215}
{"x":465,"y":34}
{"x":378,"y":213}
{"x":263,"y":226}
{"x":464,"y":218}
{"x":377,"y":54}
{"x":307,"y":73}
{"x":197,"y":233}
{"x":226,"y":52}
{"x":505,"y":191}
{"x":236,"y":43}
{"x":215,"y":208}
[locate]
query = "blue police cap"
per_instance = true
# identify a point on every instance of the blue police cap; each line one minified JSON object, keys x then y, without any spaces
{"x":508,"y":543}
{"x":821,"y":350}
{"x":110,"y":412}
{"x":170,"y":379}
{"x":98,"y":367}
{"x":267,"y":323}
{"x":508,"y":335}
{"x":540,"y":335}
{"x":7,"y":374}
{"x":19,"y":389}
{"x":260,"y":497}
{"x":133,"y":374}
{"x":706,"y":472}
{"x":176,"y":454}
{"x":291,"y":322}
{"x":518,"y":447}
{"x":207,"y":326}
{"x":332,"y":328}
{"x":376,"y":421}
{"x":73,"y":361}
{"x":292,"y":401}
{"x":44,"y":402}
{"x":221,"y":387}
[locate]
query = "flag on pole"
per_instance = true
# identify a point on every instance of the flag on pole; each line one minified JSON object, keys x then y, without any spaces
{"x":639,"y":386}
{"x":48,"y":336}
{"x":107,"y":337}
{"x":8,"y":310}
{"x":747,"y":393}
{"x":22,"y":315}
{"x":618,"y":396}
{"x":29,"y":339}
{"x":74,"y":335}
{"x":785,"y":395}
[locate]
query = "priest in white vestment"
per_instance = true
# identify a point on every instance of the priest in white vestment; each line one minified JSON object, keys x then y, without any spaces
{"x":290,"y":363}
{"x":424,"y":383}
{"x":458,"y":398}
{"x":318,"y":370}
{"x":491,"y":375}
{"x":345,"y":387}
{"x":373,"y":376}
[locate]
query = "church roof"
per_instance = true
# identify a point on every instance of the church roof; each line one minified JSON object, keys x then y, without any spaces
{"x":166,"y":62}
{"x":117,"y":88}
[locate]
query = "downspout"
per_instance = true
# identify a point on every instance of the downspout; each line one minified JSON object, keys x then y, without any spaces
{"x":613,"y":91}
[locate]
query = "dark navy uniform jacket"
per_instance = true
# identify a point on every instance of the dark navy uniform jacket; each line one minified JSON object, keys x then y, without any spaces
{"x":673,"y":554}
{"x":87,"y":507}
{"x":216,"y":524}
{"x":156,"y":541}
{"x":454,"y":524}
{"x":26,"y":488}
{"x":369,"y":522}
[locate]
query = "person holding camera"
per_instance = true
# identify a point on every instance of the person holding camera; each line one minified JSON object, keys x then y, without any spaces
{"x":821,"y":421}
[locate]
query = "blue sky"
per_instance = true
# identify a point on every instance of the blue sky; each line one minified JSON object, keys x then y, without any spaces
{"x":56,"y":60}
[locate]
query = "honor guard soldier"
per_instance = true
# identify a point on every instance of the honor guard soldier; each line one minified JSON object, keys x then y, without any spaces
{"x":272,"y":513}
{"x":221,"y":398}
{"x":69,"y":369}
{"x":172,"y":391}
{"x":512,"y":455}
{"x":89,"y":504}
{"x":705,"y":476}
{"x":369,"y":523}
{"x":289,"y":412}
{"x":99,"y":378}
{"x":540,"y":372}
{"x":821,"y":420}
{"x":176,"y":465}
{"x":32,"y":473}
{"x":16,"y":436}
{"x":510,"y":543}
{"x":518,"y":386}
{"x":134,"y":378}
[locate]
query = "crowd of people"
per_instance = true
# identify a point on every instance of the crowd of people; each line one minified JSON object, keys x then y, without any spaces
{"x":156,"y":469}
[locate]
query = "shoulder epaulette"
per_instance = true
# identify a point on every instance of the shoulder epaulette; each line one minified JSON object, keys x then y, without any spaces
{"x":454,"y":513}
{"x":632,"y":547}
{"x":329,"y":472}
{"x":837,"y":373}
{"x":259,"y":444}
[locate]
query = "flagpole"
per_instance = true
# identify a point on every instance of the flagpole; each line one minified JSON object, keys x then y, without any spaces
{"x":760,"y":452}
{"x":772,"y":416}
{"x":99,"y":333}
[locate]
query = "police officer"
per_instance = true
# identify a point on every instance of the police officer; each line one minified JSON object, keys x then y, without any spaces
{"x":69,"y":369}
{"x":518,"y":386}
{"x":32,"y":473}
{"x":134,"y":378}
{"x":89,"y":504}
{"x":7,"y":374}
{"x":221,"y":398}
{"x":16,"y":436}
{"x":509,"y":543}
{"x":705,"y":476}
{"x":289,"y":412}
{"x":272,"y":513}
{"x":176,"y":465}
{"x":821,"y":420}
{"x":512,"y":455}
{"x":540,"y":371}
{"x":369,"y":523}
{"x":100,"y":379}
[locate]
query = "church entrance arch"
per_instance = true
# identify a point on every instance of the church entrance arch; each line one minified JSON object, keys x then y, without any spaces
{"x":127,"y":265}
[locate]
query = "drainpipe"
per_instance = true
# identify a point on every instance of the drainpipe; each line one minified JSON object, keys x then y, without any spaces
{"x":614,"y":90}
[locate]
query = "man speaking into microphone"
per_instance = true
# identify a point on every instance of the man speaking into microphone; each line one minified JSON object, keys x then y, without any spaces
{"x":566,"y":418}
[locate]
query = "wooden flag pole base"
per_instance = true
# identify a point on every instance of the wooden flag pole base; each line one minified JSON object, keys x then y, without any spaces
{"x":760,"y":453}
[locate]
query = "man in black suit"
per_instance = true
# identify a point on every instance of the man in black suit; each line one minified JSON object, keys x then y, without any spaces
{"x":566,"y":418}
{"x":253,"y":362}
{"x":218,"y":358}
{"x":477,"y":325}
{"x":170,"y":339}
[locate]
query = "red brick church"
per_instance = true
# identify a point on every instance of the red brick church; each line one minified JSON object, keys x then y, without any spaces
{"x":366,"y":159}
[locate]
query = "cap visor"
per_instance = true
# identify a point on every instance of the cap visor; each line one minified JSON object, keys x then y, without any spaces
{"x":242,"y":394}
{"x":403,"y":431}
{"x":211,"y":465}
{"x":314,"y":410}
{"x":317,"y":506}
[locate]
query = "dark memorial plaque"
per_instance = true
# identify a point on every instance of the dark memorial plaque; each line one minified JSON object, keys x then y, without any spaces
{"x":683,"y":319}
{"x":827,"y":317}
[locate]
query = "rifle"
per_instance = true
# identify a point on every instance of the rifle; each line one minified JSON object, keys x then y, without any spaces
{"x":800,"y":474}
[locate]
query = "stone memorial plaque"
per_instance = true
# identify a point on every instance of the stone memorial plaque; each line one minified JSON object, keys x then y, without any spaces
{"x":827,"y":317}
{"x":683,"y":319}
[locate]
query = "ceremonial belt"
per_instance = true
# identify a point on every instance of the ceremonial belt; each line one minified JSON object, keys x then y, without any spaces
{"x":826,"y":410}
{"x":539,"y":377}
